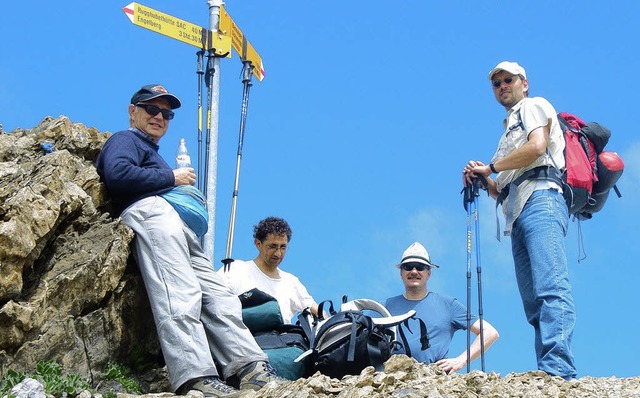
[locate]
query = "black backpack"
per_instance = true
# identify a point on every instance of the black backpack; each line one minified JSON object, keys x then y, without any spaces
{"x":350,"y":340}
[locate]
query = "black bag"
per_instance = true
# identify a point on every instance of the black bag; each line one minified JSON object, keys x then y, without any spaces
{"x":350,"y":340}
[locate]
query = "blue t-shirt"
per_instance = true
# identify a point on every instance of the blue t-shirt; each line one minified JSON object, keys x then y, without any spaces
{"x":443,"y":316}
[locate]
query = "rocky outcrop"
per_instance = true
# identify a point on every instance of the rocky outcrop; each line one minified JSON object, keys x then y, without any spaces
{"x":67,"y":291}
{"x":404,"y":377}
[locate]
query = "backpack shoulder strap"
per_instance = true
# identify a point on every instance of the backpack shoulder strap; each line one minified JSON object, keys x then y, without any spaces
{"x":309,"y":323}
{"x":424,"y":337}
{"x":321,"y":306}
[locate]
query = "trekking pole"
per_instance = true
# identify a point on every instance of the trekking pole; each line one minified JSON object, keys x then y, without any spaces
{"x":476,"y":193}
{"x":470,"y":199}
{"x":247,"y":70}
{"x":210,"y":71}
{"x":467,"y":194}
{"x":200,"y":73}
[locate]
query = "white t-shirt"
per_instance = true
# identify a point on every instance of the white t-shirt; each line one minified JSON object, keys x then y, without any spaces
{"x":291,"y":294}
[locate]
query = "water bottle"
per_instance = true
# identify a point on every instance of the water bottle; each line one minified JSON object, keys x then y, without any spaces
{"x":182,"y":155}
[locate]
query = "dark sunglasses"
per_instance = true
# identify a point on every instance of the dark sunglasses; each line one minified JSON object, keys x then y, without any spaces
{"x":154,"y":110}
{"x":417,"y":266}
{"x":508,"y":80}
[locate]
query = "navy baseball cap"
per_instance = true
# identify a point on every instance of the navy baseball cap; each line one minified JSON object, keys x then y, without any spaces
{"x":151,"y":91}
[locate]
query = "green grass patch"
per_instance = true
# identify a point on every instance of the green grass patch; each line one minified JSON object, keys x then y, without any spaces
{"x":120,"y":373}
{"x":49,"y":373}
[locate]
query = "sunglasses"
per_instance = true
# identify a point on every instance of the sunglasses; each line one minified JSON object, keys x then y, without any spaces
{"x":417,"y":266}
{"x":508,"y":80}
{"x":154,"y":110}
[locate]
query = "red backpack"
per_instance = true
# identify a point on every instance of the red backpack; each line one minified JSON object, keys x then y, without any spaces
{"x":590,"y":171}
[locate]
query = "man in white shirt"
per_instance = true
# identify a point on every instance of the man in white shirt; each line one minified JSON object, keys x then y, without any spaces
{"x":271,"y":237}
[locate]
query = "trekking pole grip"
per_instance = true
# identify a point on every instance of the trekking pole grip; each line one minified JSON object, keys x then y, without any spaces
{"x":471,"y":190}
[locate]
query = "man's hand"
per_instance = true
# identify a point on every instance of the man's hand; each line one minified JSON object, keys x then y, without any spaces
{"x":184,"y":176}
{"x":451,"y":365}
{"x":474,"y":168}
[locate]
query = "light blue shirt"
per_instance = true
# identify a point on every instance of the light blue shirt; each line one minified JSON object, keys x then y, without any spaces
{"x":443,"y":316}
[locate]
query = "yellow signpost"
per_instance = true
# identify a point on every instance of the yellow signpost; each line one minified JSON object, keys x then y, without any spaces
{"x":240,"y":43}
{"x":229,"y":34}
{"x":178,"y":29}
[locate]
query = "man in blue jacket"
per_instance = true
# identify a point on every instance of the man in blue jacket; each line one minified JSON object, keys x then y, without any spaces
{"x":197,"y":317}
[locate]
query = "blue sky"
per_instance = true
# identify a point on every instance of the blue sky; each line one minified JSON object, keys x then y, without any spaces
{"x":359,"y":132}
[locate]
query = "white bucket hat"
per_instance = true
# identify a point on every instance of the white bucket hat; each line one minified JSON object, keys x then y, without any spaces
{"x":416,"y":253}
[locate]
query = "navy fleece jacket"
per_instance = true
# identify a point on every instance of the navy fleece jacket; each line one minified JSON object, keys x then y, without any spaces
{"x":132,"y":169}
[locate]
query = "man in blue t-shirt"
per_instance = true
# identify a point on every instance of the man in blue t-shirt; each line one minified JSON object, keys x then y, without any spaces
{"x":443,"y":315}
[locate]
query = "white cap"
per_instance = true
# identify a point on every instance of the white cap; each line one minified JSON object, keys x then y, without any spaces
{"x":416,"y":253}
{"x":511,"y":67}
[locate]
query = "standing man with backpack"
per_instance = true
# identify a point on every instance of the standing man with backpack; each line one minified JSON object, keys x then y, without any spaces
{"x":535,"y":212}
{"x":443,"y":315}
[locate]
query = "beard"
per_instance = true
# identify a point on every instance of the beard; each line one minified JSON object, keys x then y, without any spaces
{"x":511,"y":100}
{"x":508,"y":102}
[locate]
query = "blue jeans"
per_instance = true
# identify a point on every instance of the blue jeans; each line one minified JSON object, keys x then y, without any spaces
{"x":539,"y":254}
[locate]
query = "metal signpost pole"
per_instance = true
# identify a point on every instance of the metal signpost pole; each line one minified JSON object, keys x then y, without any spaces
{"x":212,"y":133}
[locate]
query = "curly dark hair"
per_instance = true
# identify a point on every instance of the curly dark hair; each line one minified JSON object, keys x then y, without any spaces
{"x":271,"y":225}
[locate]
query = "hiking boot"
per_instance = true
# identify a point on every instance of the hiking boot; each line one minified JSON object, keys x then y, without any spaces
{"x":257,"y":374}
{"x":210,"y":386}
